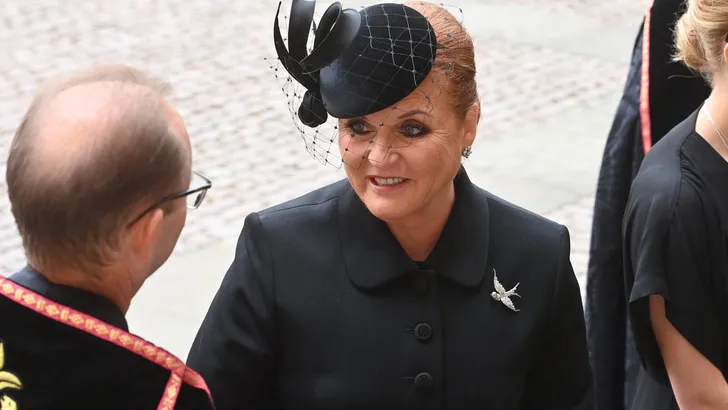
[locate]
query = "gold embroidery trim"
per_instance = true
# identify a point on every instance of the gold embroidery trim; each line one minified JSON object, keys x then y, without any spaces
{"x":104,"y":331}
{"x":7,"y":381}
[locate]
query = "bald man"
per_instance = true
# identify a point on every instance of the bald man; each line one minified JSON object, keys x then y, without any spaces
{"x":99,"y":178}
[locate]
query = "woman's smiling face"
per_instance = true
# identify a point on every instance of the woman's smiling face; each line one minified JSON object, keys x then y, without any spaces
{"x":400,"y":159}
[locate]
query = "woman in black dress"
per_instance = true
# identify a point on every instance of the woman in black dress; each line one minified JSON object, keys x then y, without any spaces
{"x":404,"y":286}
{"x":654,"y":100}
{"x":675,"y":232}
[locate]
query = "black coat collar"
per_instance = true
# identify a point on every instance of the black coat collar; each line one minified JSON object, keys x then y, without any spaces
{"x":373,"y":256}
{"x":78,"y":299}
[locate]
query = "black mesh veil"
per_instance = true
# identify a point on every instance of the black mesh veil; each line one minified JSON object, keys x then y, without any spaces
{"x":358,"y":81}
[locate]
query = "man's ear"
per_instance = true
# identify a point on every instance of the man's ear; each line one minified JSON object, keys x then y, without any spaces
{"x":472,"y":117}
{"x":146,"y":231}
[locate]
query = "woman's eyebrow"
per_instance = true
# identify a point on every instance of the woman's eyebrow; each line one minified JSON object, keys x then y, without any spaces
{"x":413,"y":112}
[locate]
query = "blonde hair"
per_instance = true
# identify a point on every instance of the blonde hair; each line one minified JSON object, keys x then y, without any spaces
{"x":700,"y":36}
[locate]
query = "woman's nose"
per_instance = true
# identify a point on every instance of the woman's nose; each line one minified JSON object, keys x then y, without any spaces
{"x":379,"y":147}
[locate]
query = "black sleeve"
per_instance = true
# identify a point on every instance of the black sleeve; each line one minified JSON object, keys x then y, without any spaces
{"x":667,"y":254}
{"x":560,"y":377}
{"x":234,"y":348}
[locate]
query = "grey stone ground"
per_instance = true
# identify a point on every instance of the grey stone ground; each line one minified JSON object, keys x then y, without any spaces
{"x":550,"y":75}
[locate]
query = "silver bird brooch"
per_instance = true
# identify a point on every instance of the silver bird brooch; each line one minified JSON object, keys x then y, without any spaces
{"x":503,"y":296}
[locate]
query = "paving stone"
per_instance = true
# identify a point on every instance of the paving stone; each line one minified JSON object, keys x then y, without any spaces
{"x":608,"y":11}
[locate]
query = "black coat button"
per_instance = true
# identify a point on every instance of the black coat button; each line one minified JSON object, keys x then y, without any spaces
{"x":423,"y":332}
{"x":424,"y":381}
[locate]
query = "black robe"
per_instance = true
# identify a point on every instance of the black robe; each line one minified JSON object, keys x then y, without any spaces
{"x":78,"y":354}
{"x":658,"y":94}
{"x":323,"y":309}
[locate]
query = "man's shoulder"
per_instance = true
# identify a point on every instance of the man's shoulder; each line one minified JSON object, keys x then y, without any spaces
{"x":50,"y":349}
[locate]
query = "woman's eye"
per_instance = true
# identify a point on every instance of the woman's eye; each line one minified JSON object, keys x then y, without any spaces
{"x":358,"y":128}
{"x":413,"y":130}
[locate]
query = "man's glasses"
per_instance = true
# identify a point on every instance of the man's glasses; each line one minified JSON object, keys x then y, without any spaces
{"x":194,"y":195}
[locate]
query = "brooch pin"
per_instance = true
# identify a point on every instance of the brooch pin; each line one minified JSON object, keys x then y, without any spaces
{"x":503,"y":296}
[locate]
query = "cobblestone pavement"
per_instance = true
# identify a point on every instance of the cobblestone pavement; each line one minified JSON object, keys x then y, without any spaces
{"x":213,"y":51}
{"x":610,"y":11}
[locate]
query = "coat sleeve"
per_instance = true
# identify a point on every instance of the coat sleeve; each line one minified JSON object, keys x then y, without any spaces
{"x":560,"y":376}
{"x":234,"y":347}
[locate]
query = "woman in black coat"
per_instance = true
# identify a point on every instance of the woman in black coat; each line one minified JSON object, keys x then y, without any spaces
{"x":404,"y":285}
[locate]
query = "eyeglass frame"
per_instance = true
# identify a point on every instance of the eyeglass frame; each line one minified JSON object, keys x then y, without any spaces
{"x":207,"y":185}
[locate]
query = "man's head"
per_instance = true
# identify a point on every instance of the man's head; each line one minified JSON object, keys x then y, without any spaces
{"x":94,"y":151}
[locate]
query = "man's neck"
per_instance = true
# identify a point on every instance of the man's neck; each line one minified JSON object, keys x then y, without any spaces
{"x":113,"y":284}
{"x":418,"y":233}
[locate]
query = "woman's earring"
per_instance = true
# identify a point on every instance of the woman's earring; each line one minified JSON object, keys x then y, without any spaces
{"x":467,"y":151}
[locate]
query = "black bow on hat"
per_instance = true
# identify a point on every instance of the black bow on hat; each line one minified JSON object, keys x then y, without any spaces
{"x":337,"y":29}
{"x":362,"y":61}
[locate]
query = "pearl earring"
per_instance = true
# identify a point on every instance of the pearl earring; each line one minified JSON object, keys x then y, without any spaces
{"x":467,"y":151}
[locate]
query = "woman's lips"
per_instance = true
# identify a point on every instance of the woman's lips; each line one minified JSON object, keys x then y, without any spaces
{"x":387,"y":184}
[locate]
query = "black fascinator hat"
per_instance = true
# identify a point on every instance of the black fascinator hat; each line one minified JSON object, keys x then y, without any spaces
{"x":361,"y":62}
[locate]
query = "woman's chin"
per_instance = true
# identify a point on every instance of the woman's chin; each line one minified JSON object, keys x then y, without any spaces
{"x":387,"y":209}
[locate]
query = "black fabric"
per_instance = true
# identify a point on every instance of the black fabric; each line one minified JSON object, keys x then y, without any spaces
{"x":391,"y":56}
{"x":334,"y":34}
{"x":388,"y":56}
{"x":322,"y":309}
{"x":652,"y":393}
{"x":78,"y":299}
{"x":605,"y":300}
{"x":674,"y":92}
{"x":676,"y":225}
{"x":61,"y":367}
